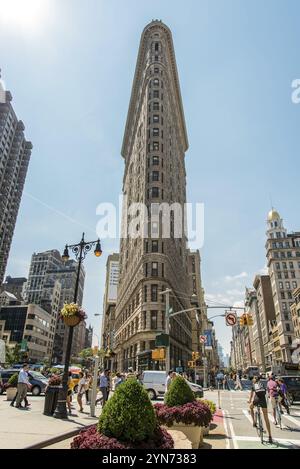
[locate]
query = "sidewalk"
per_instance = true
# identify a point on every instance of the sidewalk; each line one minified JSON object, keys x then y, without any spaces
{"x":216,"y":439}
{"x":22,"y":428}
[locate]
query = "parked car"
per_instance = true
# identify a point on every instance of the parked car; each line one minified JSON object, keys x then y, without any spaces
{"x":36,"y":379}
{"x":293,"y":386}
{"x":155,"y":384}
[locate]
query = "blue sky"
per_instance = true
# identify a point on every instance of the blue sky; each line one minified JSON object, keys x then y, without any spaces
{"x":70,"y":71}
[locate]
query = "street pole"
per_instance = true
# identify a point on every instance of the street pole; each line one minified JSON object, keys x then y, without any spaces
{"x":80,"y":250}
{"x":94,"y":389}
{"x":61,"y":410}
{"x":167,"y":330}
{"x":204,"y":368}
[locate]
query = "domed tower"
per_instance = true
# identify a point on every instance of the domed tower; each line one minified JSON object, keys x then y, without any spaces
{"x":284,"y":272}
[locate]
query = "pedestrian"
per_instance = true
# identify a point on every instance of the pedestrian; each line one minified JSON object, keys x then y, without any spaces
{"x":169,"y":380}
{"x":238,"y":383}
{"x":130,"y":373}
{"x":108,"y":382}
{"x":69,"y":392}
{"x":23,"y":386}
{"x":81,"y":390}
{"x":103,"y":385}
{"x":118,"y":380}
{"x":88,"y":381}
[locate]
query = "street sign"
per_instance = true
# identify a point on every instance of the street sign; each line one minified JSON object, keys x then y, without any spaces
{"x":23,"y":346}
{"x":230,"y":318}
{"x":203,"y":339}
{"x":158,"y":354}
{"x":162,"y":340}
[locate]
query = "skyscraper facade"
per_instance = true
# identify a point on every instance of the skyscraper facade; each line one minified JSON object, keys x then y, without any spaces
{"x":15,"y":153}
{"x":151,"y":259}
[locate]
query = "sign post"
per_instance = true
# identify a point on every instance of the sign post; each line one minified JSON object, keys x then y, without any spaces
{"x":230,"y":318}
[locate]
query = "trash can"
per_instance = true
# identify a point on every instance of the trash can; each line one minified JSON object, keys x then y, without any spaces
{"x":51,"y":397}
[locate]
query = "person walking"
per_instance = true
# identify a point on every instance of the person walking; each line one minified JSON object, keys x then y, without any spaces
{"x":103,"y":385}
{"x":88,"y":385}
{"x":238,"y":383}
{"x":81,"y":390}
{"x":169,"y":380}
{"x":119,"y":380}
{"x":130,"y":373}
{"x":23,"y":385}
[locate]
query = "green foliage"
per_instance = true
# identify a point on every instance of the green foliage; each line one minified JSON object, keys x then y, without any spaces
{"x":13,"y":354}
{"x":129,"y":415}
{"x":13,"y":380}
{"x":179,"y":393}
{"x":212,"y":406}
{"x":86,"y":353}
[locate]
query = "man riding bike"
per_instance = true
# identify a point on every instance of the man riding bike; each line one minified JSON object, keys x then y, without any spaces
{"x":258,"y":398}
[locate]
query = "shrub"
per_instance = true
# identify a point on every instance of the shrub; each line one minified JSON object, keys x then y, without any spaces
{"x":13,"y":381}
{"x":179,"y":393}
{"x":92,"y":439}
{"x":129,"y":415}
{"x":212,"y":406}
{"x":195,"y":413}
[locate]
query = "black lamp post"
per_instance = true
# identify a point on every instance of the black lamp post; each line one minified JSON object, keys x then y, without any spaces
{"x":80,"y":250}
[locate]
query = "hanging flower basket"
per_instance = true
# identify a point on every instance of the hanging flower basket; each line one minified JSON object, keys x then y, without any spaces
{"x":72,"y":314}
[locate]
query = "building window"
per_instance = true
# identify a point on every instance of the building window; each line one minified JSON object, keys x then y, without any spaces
{"x":287,"y":285}
{"x":145,"y":293}
{"x":279,"y":275}
{"x":156,"y":70}
{"x":290,"y":340}
{"x":146,"y":270}
{"x":155,"y":176}
{"x":155,"y":160}
{"x":155,"y":132}
{"x":154,"y":270}
{"x":155,"y":118}
{"x":156,"y":106}
{"x":154,"y":246}
{"x":154,"y":290}
{"x":144,"y":319}
{"x":155,"y":192}
{"x":156,"y":82}
{"x":155,"y":94}
{"x":294,"y":285}
{"x":281,"y":285}
{"x":163,"y":270}
{"x":282,"y":295}
{"x":277,"y":266}
{"x":284,"y":306}
{"x":155,"y":146}
{"x":153,"y":319}
{"x":287,"y":327}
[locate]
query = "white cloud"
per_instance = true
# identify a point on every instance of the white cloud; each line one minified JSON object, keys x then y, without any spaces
{"x":263,"y":271}
{"x":232,"y":278}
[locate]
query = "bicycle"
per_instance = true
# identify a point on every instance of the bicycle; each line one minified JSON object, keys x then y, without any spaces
{"x":258,"y":423}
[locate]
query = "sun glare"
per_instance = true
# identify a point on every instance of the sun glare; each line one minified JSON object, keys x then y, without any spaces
{"x":22,"y":13}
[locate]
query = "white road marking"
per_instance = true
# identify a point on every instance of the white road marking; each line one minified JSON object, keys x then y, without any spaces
{"x":255,"y":438}
{"x":246,"y":413}
{"x":235,"y":445}
{"x":226,"y":431}
{"x":291,"y":419}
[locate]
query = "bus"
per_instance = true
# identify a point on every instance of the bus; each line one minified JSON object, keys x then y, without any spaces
{"x":251,"y":371}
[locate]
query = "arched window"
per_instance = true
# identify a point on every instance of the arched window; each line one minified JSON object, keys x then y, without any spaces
{"x":155,"y":82}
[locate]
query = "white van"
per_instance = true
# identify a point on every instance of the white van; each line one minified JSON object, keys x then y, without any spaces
{"x":155,"y":384}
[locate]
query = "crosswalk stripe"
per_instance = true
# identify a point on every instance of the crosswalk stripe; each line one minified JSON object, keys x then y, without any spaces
{"x":255,"y":438}
{"x":291,"y":419}
{"x":246,"y":413}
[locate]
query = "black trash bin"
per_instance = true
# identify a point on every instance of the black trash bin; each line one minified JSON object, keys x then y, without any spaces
{"x":51,"y":397}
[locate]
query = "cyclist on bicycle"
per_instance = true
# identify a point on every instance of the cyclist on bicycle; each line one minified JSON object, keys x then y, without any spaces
{"x":258,"y":398}
{"x":283,"y":391}
{"x":273,"y":394}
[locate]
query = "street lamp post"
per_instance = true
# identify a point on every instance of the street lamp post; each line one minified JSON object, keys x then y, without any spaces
{"x":80,"y":250}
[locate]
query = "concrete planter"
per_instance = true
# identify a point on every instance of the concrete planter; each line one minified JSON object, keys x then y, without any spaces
{"x":10,"y":393}
{"x":192,"y":432}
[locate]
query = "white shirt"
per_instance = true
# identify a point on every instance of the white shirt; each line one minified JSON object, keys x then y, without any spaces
{"x":23,"y":377}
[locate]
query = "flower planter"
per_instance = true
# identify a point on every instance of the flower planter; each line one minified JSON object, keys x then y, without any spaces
{"x":193,"y":432}
{"x":10,"y":393}
{"x":71,"y":321}
{"x":51,"y":398}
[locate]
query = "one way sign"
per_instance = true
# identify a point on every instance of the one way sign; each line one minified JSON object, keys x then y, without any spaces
{"x":230,"y":318}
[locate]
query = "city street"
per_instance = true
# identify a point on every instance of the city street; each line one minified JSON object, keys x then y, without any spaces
{"x":238,"y":424}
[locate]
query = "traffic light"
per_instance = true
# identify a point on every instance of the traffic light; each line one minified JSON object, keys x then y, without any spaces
{"x":249,"y":320}
{"x":191,"y":364}
{"x":243,"y":320}
{"x":195,"y":356}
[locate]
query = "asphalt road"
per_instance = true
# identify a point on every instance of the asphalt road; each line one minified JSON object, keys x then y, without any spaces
{"x":238,"y":423}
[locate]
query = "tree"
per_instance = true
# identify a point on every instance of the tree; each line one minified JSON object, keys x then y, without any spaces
{"x":13,"y":354}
